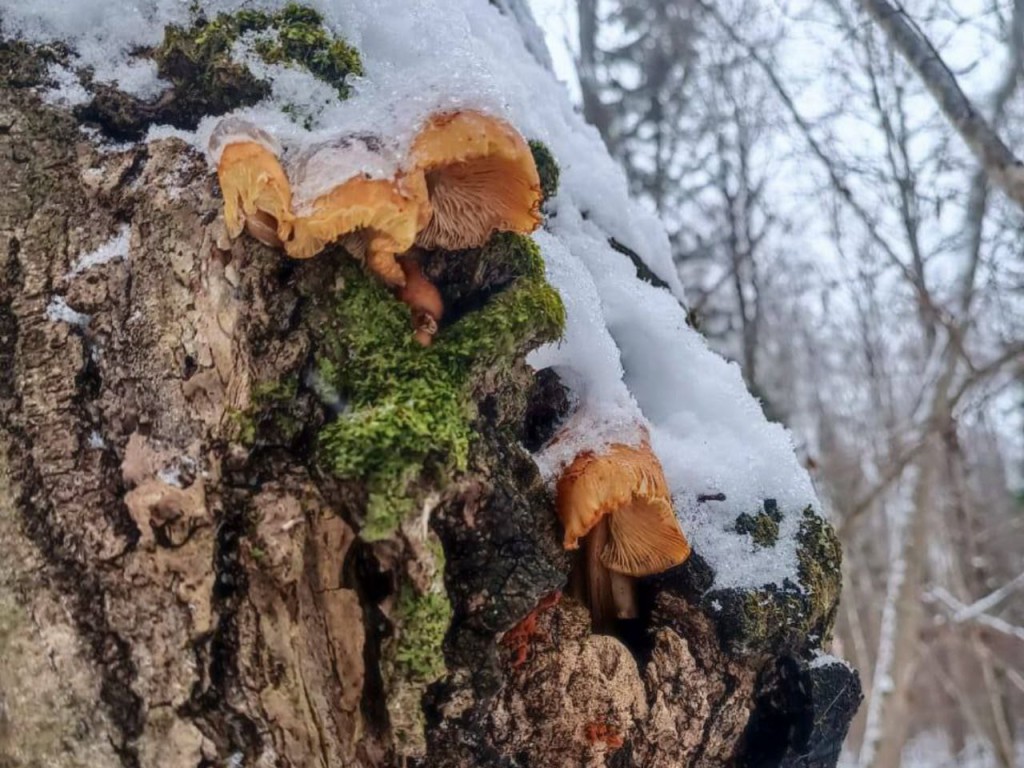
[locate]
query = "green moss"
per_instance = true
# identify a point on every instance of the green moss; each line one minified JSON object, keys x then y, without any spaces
{"x":527,"y":313}
{"x":547,"y":168}
{"x":197,"y":59}
{"x":272,"y":418}
{"x":301,"y":39}
{"x":409,"y":408}
{"x":405,"y":412}
{"x":762,"y":527}
{"x":787,"y":618}
{"x":423,"y":622}
{"x":768,"y":618}
{"x":820,"y":558}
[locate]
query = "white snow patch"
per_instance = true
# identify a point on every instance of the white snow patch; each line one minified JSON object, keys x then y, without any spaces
{"x":101,"y":34}
{"x":171,"y":476}
{"x":114,"y":249}
{"x":827,"y":660}
{"x":321,"y":167}
{"x":67,"y":90}
{"x":96,"y":440}
{"x":628,"y":356}
{"x":59,"y":311}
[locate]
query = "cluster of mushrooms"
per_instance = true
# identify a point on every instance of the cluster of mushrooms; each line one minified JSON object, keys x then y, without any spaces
{"x":466,"y":176}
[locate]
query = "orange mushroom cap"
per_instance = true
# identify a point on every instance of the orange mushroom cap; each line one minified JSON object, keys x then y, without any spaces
{"x":480,"y":176}
{"x":628,"y":484}
{"x":257,"y":195}
{"x":374,"y":218}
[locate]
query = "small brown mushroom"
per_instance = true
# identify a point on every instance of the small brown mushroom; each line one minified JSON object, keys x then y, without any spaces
{"x":480,"y":177}
{"x":422,"y":297}
{"x":257,"y":195}
{"x":620,"y":502}
{"x":373,"y":218}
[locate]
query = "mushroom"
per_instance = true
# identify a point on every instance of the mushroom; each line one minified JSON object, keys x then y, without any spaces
{"x":620,"y":502}
{"x":480,"y":177}
{"x":256,"y":192}
{"x":422,"y":297}
{"x":347,"y":194}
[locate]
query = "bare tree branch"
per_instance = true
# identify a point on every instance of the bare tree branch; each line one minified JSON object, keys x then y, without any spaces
{"x":1004,"y":169}
{"x":836,"y":178}
{"x":989,"y":601}
{"x":954,"y":607}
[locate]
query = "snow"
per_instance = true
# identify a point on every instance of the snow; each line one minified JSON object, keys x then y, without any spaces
{"x":67,"y":90}
{"x":319,"y":168}
{"x":827,"y":660}
{"x":59,"y":311}
{"x":114,"y":249}
{"x":103,"y":35}
{"x":630,"y":360}
{"x":171,"y":476}
{"x":234,"y":129}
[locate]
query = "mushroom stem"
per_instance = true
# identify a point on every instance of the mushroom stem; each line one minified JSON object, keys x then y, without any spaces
{"x":422,"y":296}
{"x":263,"y":226}
{"x":611,"y":595}
{"x":624,"y":595}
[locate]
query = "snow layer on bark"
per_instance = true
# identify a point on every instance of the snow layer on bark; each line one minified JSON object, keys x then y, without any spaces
{"x":629,"y":357}
{"x":114,"y":249}
{"x":59,"y":312}
{"x":822,"y":659}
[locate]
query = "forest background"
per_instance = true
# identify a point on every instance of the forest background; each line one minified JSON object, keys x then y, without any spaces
{"x":839,"y":240}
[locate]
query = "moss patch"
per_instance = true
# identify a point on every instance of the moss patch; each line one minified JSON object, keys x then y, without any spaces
{"x":820,"y":556}
{"x":408,"y":408}
{"x":424,"y":620}
{"x":762,"y":527}
{"x":206,"y":80}
{"x":794,"y":616}
{"x":547,"y":168}
{"x":302,"y":40}
{"x":198,"y":61}
{"x":276,"y":417}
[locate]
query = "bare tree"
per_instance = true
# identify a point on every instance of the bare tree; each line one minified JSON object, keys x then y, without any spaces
{"x":999,"y":162}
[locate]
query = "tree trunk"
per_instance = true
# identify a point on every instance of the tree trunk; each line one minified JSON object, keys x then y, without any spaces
{"x":184,"y":584}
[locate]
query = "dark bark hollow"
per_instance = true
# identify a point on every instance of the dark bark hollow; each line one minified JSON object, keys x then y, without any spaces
{"x":184,"y":584}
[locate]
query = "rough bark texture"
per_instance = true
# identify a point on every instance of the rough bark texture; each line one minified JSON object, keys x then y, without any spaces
{"x":182,"y":584}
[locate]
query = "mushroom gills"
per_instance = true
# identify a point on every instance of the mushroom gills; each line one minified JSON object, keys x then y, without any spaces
{"x":479,"y":177}
{"x":644,"y":538}
{"x":470,"y":201}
